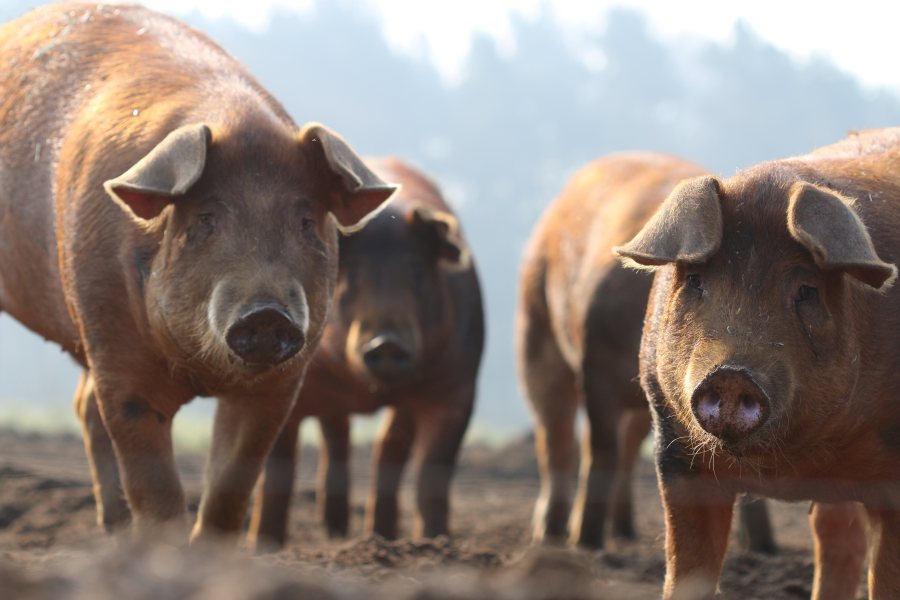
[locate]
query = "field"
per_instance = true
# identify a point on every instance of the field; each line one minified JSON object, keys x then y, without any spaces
{"x":50,"y":546}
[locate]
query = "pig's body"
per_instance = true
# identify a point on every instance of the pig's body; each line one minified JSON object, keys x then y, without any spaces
{"x":408,"y":284}
{"x":770,"y":361}
{"x":578,"y":330}
{"x":166,"y":223}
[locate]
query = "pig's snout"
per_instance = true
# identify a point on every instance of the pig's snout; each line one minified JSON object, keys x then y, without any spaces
{"x":729,"y":404}
{"x":387,"y":357}
{"x":266,"y":335}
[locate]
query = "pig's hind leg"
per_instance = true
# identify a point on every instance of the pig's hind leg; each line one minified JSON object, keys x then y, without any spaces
{"x":112,"y":509}
{"x":633,"y":427}
{"x":550,"y":386}
{"x":608,"y":452}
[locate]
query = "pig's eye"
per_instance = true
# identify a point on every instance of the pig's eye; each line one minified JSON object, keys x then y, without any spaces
{"x":807,"y":293}
{"x":418,"y":273}
{"x":202,"y":228}
{"x":207,"y":221}
{"x":307,"y":224}
{"x":694,"y":281}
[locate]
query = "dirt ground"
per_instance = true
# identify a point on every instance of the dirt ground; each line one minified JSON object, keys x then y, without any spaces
{"x":50,"y":546}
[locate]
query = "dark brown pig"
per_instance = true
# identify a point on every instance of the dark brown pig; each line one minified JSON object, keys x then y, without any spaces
{"x":406,"y":333}
{"x":164,"y":220}
{"x":769,"y":357}
{"x":578,"y":330}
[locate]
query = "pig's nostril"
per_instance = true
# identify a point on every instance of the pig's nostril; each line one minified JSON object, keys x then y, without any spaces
{"x":749,"y":403}
{"x":265,"y":336}
{"x":387,"y":353}
{"x":749,"y":413}
{"x":708,"y":406}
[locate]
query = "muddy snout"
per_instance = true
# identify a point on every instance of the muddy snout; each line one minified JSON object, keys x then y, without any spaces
{"x":387,"y":357}
{"x":729,"y":404}
{"x":265,"y":335}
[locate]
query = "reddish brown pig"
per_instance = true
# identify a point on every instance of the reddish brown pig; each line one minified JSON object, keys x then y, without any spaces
{"x":164,"y":220}
{"x":406,"y":332}
{"x":579,"y":326}
{"x":769,"y":358}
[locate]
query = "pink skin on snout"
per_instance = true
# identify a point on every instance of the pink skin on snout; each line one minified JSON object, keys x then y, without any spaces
{"x":729,"y":404}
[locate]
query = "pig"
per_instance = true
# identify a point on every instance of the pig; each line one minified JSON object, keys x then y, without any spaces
{"x":166,"y":223}
{"x":578,"y":326}
{"x":406,"y":333}
{"x":769,"y":354}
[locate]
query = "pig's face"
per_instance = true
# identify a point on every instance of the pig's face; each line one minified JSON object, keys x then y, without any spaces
{"x":757,"y":333}
{"x":390,"y":305}
{"x":245,"y":265}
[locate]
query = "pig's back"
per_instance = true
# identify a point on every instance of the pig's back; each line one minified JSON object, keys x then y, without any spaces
{"x":864,"y":167}
{"x":570,"y":254}
{"x":416,"y":188}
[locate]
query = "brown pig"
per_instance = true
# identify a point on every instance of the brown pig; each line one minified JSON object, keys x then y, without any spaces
{"x":578,"y":329}
{"x":406,"y":333}
{"x":164,"y":220}
{"x":769,"y":358}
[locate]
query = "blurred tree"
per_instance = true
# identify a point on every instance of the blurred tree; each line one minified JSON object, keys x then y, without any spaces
{"x":506,"y":137}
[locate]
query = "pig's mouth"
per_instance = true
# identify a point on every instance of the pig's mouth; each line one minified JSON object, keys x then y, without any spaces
{"x":756,"y":453}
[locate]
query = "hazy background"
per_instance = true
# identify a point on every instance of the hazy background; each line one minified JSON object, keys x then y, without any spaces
{"x":501,"y":114}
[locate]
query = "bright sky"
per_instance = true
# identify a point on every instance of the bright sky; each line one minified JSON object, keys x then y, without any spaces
{"x":859,"y":36}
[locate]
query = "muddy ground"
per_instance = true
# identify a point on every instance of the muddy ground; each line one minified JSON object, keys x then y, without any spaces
{"x":50,"y":546}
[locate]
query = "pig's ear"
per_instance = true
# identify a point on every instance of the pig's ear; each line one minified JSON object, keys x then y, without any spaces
{"x":169,"y":170}
{"x":826,"y":224}
{"x":356,"y":193}
{"x":442,"y":228}
{"x":687,"y":228}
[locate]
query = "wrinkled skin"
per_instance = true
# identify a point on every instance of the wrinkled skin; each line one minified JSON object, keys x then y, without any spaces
{"x":578,"y":329}
{"x":406,"y":333}
{"x":165,"y":222}
{"x":768,"y":357}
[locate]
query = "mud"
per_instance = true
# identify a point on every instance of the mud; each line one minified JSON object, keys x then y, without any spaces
{"x":50,"y":546}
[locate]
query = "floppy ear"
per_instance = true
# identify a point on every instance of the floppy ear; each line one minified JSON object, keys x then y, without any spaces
{"x":169,"y":170}
{"x":357,"y":194}
{"x":687,"y":227}
{"x":826,"y":224}
{"x":443,"y":229}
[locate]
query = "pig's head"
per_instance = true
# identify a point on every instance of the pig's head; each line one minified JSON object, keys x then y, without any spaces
{"x":238,"y":228}
{"x":391,"y":305}
{"x":756,"y":341}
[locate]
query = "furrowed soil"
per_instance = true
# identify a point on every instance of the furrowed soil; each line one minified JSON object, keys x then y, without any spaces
{"x":51,"y":547}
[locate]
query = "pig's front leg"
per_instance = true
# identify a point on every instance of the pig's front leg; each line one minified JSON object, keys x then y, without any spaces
{"x":271,"y":509}
{"x":141,"y":434}
{"x":884,"y":548}
{"x":333,"y":486}
{"x":698,"y":518}
{"x":440,"y":430}
{"x":839,"y":534}
{"x":697,"y":513}
{"x":389,"y":457}
{"x":244,"y":432}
